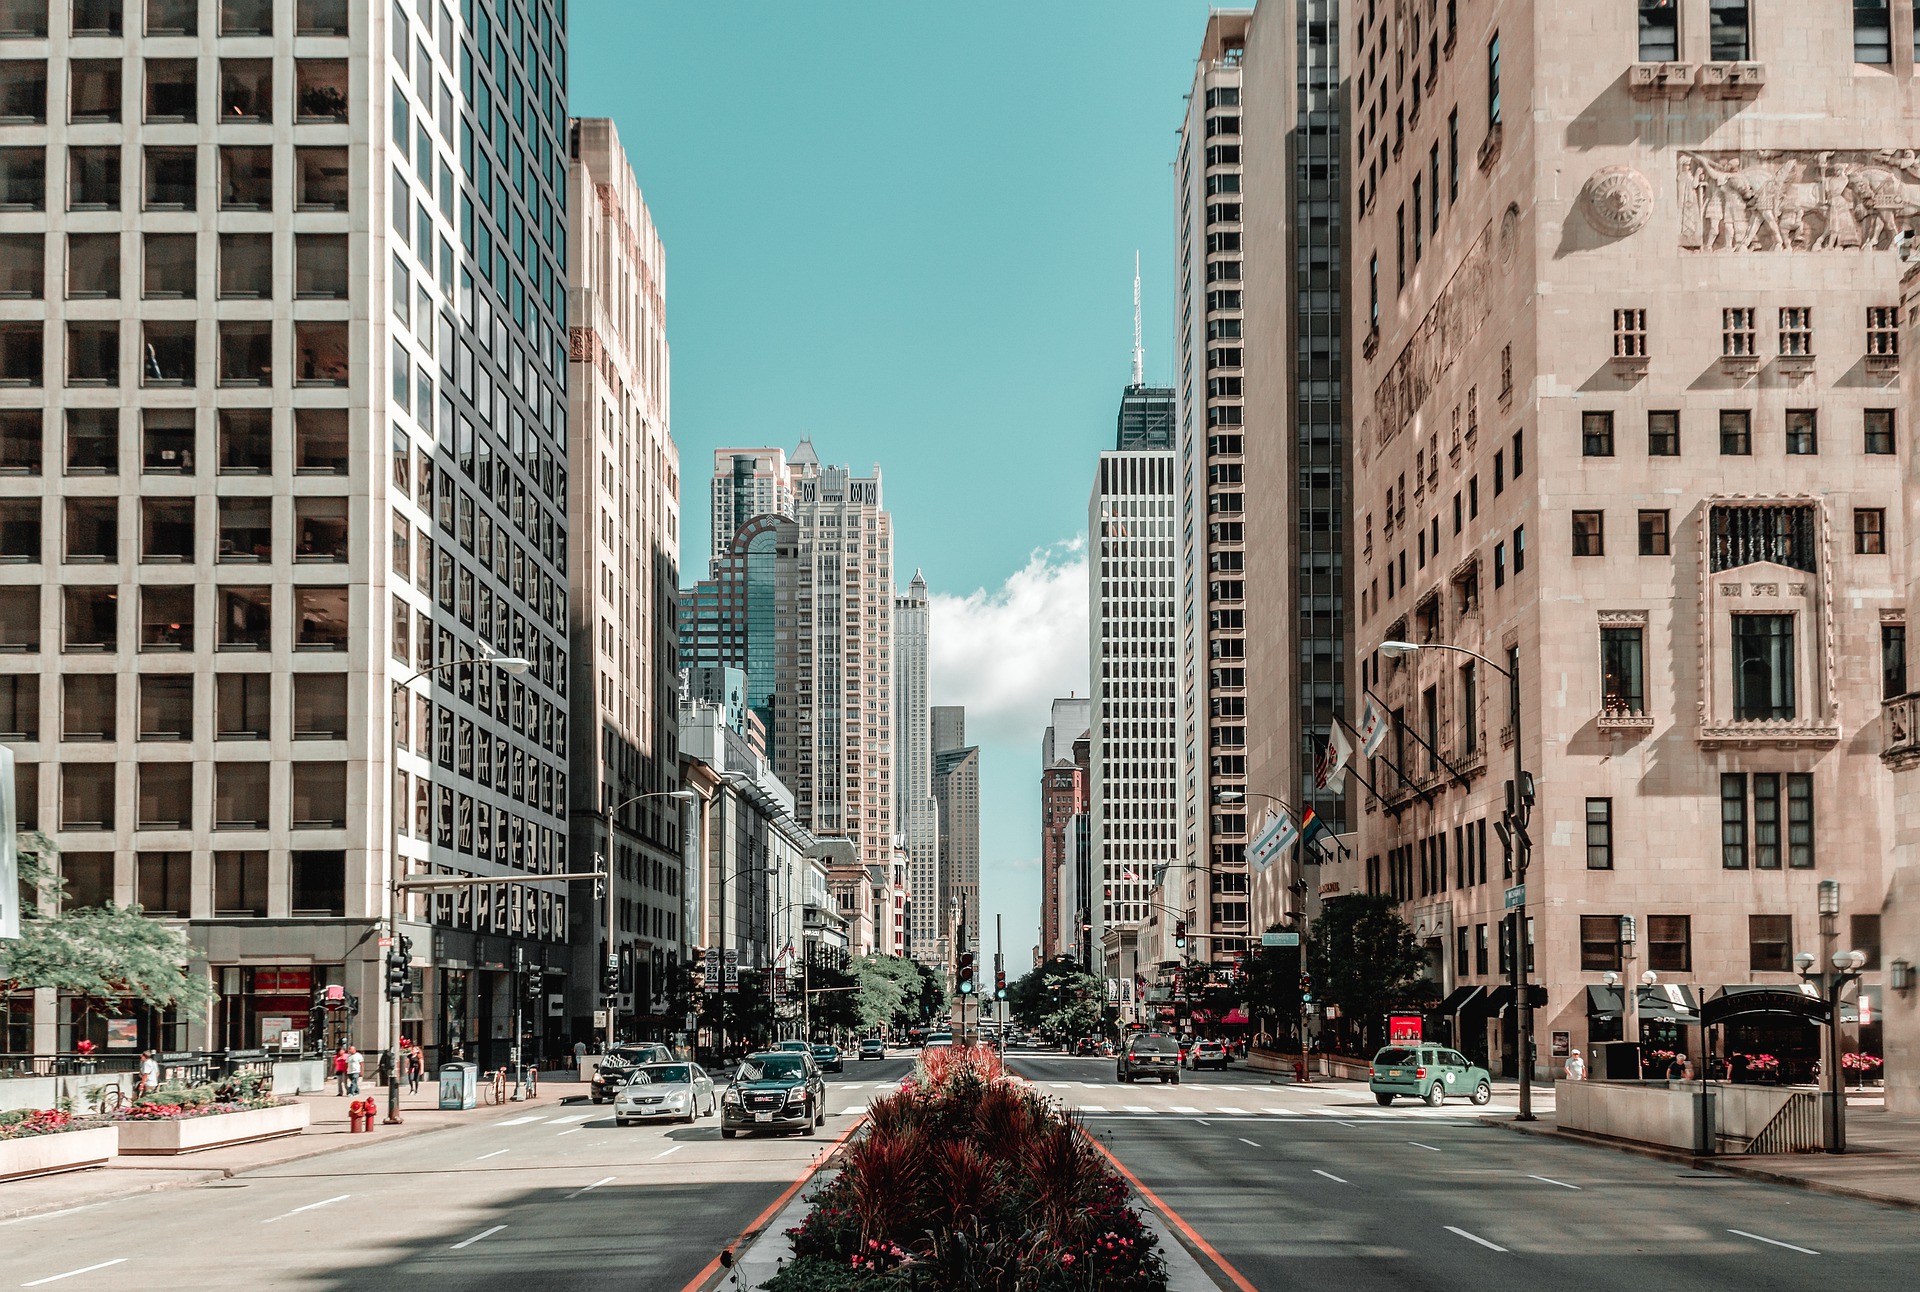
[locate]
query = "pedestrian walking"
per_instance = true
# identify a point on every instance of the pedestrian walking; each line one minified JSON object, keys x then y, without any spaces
{"x":416,"y":1067}
{"x":1576,"y":1067}
{"x":340,"y":1071}
{"x":386,"y":1067}
{"x":579,"y":1056}
{"x":149,"y":1072}
{"x":355,"y":1062}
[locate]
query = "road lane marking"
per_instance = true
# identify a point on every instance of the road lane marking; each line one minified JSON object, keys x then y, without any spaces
{"x":669,"y":1153}
{"x":573,"y":1131}
{"x":49,"y":1215}
{"x":468,"y":1242}
{"x":1355,"y":1125}
{"x":324,"y":1202}
{"x":1805,"y":1251}
{"x":1249,"y":1143}
{"x":517,"y":1121}
{"x":851,"y":1109}
{"x":1330,"y":1175}
{"x":1091,"y":1108}
{"x":1187,"y":1231}
{"x":589,"y":1188}
{"x":1138,"y":1108}
{"x":1182,"y":1108}
{"x":1233,"y":1112}
{"x":1475,"y":1238}
{"x":1431,"y":1149}
{"x":55,"y":1278}
{"x":1549,"y":1180}
{"x":496,"y":1153}
{"x":1061,"y":1085}
{"x":576,"y":1117}
{"x":1280,"y":1112}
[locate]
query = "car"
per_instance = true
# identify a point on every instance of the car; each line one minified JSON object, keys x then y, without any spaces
{"x":872,"y":1048}
{"x":937,"y":1041}
{"x":774,"y":1090}
{"x":1429,"y":1072}
{"x":1148,"y":1054}
{"x":1087,"y":1045}
{"x":1207,"y":1054}
{"x":804,"y":1047}
{"x":679,"y":1091}
{"x":828,"y":1058}
{"x":610,"y":1074}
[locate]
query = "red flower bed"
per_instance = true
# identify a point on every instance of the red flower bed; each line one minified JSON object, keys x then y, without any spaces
{"x":26,"y":1123}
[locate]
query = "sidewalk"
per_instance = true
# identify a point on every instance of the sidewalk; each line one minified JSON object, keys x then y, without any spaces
{"x":328,"y":1132}
{"x":1881,"y":1164}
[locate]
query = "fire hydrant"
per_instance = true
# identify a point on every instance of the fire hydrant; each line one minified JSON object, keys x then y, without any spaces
{"x":360,"y":1114}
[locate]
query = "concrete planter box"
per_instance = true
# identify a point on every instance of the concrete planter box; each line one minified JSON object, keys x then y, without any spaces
{"x":64,"y":1151}
{"x":191,"y":1134}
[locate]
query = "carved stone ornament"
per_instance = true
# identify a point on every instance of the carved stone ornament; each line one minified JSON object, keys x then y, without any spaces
{"x":1835,"y":199}
{"x":1618,"y":200}
{"x":1509,"y":234}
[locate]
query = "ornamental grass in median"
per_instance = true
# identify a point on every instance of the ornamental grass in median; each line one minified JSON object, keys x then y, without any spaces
{"x":967,"y":1178}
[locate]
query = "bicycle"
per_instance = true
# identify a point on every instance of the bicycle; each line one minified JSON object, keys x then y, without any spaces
{"x":109,"y":1099}
{"x":498,"y":1092}
{"x":533,"y":1080}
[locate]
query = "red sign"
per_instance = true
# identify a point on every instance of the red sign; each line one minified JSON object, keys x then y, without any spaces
{"x":1403,"y":1029}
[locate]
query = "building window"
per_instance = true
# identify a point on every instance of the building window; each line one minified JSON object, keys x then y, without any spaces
{"x":1739,"y":334}
{"x":246,"y":618}
{"x":89,"y":706}
{"x":1453,"y":156}
{"x":1630,"y":334}
{"x":166,"y":706}
{"x":246,"y":179}
{"x":1659,"y":31}
{"x":319,"y":706}
{"x":320,"y":89}
{"x":1623,"y":671}
{"x":1893,"y":660}
{"x":1800,"y":820}
{"x":1493,"y":80}
{"x":1670,"y":943}
{"x":1499,"y":565}
{"x":246,"y":441}
{"x":1727,"y":31}
{"x":1883,"y":331}
{"x":240,"y":885}
{"x":166,"y":617}
{"x":169,"y":269}
{"x":319,"y":883}
{"x":1736,"y":432}
{"x":1796,"y":331}
{"x":1733,"y":820}
{"x":1469,"y":708}
{"x":1766,"y":821}
{"x":246,"y":89}
{"x":1520,"y":550}
{"x":1663,"y":434}
{"x":1864,"y":937}
{"x":1872,"y":32}
{"x":1803,"y":432}
{"x":87,"y":796}
{"x":1763,"y":682}
{"x":1870,"y":531}
{"x":1599,"y":939}
{"x":1770,"y":943}
{"x":319,"y":796}
{"x":1599,"y":839}
{"x":1596,"y":435}
{"x":1589,"y":534}
{"x":243,"y":706}
{"x":165,"y":799}
{"x":1654,"y":537}
{"x":1879,"y":430}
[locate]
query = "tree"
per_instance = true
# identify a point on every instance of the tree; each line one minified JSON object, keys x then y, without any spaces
{"x":1059,"y":1000}
{"x":931,"y":1002}
{"x":102,"y":954}
{"x":833,"y":1003}
{"x":1365,"y":960}
{"x":745,"y":1013}
{"x":1273,"y":987}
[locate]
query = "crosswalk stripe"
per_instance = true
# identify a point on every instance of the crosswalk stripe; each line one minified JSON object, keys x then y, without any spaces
{"x":1138,"y":1108}
{"x":1280,"y":1112}
{"x":1091,"y":1108}
{"x":852,"y":1109}
{"x":1061,"y":1085}
{"x":1234,"y":1112}
{"x":517,"y":1121}
{"x":1182,"y":1108}
{"x":576,"y":1117}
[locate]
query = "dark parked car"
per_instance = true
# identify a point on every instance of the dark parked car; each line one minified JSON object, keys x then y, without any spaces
{"x":615,"y":1067}
{"x":1149,"y":1054}
{"x":774,"y":1090}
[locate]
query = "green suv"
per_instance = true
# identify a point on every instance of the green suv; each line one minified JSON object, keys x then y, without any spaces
{"x":1427,"y":1072}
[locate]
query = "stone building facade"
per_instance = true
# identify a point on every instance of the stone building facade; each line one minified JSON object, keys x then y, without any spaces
{"x":1627,"y":421}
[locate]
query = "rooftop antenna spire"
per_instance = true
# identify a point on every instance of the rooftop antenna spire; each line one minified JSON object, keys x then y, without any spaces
{"x":1139,"y":357}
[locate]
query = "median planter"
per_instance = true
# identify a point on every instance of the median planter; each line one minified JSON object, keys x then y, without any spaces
{"x":56,"y":1151}
{"x":161,"y":1137}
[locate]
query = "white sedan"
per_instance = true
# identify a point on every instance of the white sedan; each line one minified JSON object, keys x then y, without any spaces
{"x":673,"y":1091}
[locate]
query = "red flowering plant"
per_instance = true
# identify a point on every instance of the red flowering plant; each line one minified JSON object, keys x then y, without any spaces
{"x":83,"y":1048}
{"x":968,"y":1178}
{"x":25,"y":1123}
{"x":177,"y":1103}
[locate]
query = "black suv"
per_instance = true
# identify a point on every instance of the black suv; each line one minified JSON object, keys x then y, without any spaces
{"x":774,"y":1090}
{"x":1149,"y":1054}
{"x":619,"y":1064}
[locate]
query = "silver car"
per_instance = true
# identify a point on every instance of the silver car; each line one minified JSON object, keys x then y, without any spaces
{"x":673,"y":1091}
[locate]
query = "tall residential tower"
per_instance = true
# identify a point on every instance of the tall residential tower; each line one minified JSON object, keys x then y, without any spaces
{"x":916,"y":814}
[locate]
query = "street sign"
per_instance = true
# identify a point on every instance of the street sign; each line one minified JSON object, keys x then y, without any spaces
{"x":599,"y":1019}
{"x":1279,"y":939}
{"x":386,"y":942}
{"x":1516,"y":896}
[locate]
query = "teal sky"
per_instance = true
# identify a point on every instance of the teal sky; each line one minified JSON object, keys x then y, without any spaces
{"x":908,"y":231}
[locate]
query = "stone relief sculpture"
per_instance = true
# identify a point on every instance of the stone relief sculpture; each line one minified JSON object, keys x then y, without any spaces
{"x":1450,"y":325}
{"x":1619,"y":200}
{"x":1796,"y":200}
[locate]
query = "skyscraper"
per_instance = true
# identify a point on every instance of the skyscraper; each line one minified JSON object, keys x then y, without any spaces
{"x":1146,"y":418}
{"x":625,"y":522}
{"x":1063,"y":796}
{"x":743,"y":617}
{"x":916,"y":815}
{"x":1132,"y":656}
{"x":747,"y":483}
{"x":310,"y":439}
{"x":956,"y":791}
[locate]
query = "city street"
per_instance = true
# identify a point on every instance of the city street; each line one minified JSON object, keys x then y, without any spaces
{"x":1319,"y":1186}
{"x":550,"y":1197}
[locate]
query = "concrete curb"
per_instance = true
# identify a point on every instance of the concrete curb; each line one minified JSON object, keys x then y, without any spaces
{"x":1722,"y":1166}
{"x":770,"y":1249}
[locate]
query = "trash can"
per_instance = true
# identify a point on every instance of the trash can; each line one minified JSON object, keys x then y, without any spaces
{"x":459,"y":1085}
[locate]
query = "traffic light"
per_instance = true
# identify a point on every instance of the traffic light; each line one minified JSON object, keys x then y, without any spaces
{"x":610,"y":973}
{"x":396,"y":974}
{"x":966,"y":973}
{"x":1306,"y":989}
{"x":1180,"y":933}
{"x":536,"y":983}
{"x":999,"y":984}
{"x":697,"y":968}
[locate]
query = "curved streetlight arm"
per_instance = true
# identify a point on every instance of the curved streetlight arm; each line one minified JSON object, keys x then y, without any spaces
{"x":1394,"y":649}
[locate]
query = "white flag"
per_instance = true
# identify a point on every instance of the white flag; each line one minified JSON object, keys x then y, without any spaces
{"x":1373,"y":730}
{"x":1331,"y":775}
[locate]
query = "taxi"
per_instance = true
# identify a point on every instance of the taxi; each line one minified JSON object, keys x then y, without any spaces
{"x":1427,"y":1072}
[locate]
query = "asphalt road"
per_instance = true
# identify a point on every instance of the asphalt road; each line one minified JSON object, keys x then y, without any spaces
{"x":1317,"y":1186}
{"x":553,"y":1196}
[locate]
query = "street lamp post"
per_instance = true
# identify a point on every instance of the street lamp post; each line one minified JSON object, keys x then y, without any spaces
{"x":612,"y":964}
{"x":1846,"y":971}
{"x":507,"y":664}
{"x":1299,"y":889}
{"x":1513,"y":833}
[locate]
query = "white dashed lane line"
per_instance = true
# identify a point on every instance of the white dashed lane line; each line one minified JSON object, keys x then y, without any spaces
{"x":468,"y":1242}
{"x":1774,"y":1242}
{"x":86,"y":1269}
{"x":1475,"y":1238}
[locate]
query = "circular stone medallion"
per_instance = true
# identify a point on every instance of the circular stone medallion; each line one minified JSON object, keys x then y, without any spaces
{"x":1619,"y":200}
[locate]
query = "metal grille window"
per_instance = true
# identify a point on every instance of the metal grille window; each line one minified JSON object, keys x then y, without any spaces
{"x":1670,"y":943}
{"x":1766,"y":821}
{"x":1883,"y":331}
{"x":1803,"y":432}
{"x":1655,"y":539}
{"x":1870,"y":531}
{"x":1623,"y":671}
{"x":1599,"y":844}
{"x":1796,"y":331}
{"x":1763,"y":668}
{"x":1663,"y":434}
{"x":1630,"y":334}
{"x":1800,"y":820}
{"x":1879,"y":430}
{"x":1589,"y":533}
{"x":1739,"y":337}
{"x":1733,"y":820}
{"x":1596,"y":435}
{"x":1746,"y":535}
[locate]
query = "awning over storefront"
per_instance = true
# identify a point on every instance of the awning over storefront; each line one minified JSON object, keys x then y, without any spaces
{"x":1501,"y":998}
{"x":1668,"y":1003}
{"x":1604,"y":1002}
{"x":1235,"y":1015}
{"x":1461,"y":999}
{"x":1742,"y":999}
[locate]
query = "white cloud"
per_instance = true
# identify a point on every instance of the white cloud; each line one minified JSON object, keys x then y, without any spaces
{"x":1007,"y":653}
